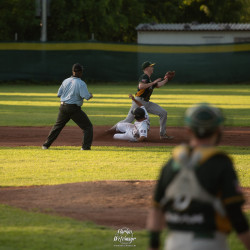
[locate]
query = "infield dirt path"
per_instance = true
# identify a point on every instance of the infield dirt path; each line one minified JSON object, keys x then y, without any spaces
{"x":72,"y":136}
{"x":112,"y":203}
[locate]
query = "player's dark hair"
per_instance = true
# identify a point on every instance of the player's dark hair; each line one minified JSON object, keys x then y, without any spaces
{"x":77,"y":67}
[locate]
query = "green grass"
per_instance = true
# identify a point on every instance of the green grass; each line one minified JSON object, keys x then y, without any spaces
{"x":37,"y":105}
{"x":23,"y":166}
{"x":32,"y":230}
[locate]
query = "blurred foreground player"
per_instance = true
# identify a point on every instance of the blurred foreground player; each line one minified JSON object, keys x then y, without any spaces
{"x":197,"y":194}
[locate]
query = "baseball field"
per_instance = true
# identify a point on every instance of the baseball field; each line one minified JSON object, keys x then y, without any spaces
{"x":65,"y":198}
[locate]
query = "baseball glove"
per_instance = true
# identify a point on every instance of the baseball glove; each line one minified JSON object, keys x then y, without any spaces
{"x":170,"y":75}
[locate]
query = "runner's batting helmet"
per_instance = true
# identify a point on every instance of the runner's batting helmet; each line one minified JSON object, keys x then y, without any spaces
{"x":138,"y":113}
{"x":203,"y":119}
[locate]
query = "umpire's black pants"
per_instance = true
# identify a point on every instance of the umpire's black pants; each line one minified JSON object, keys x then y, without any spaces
{"x":74,"y":112}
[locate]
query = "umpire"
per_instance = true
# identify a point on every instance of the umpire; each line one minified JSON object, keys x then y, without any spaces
{"x":198,"y":195}
{"x":72,"y":93}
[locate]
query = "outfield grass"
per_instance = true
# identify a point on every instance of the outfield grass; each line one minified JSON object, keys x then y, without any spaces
{"x":33,"y":105}
{"x":24,"y":166}
{"x":31,"y":230}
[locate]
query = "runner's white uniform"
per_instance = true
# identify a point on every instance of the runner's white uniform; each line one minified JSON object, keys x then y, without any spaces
{"x":131,"y":132}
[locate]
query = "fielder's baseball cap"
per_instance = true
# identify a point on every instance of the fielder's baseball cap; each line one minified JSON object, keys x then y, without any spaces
{"x":147,"y":64}
{"x":77,"y":67}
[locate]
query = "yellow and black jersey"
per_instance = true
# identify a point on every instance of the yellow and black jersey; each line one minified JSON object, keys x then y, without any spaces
{"x":145,"y":93}
{"x":216,"y":175}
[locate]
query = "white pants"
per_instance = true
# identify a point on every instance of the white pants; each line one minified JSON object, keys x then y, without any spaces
{"x":151,"y":108}
{"x":187,"y":241}
{"x":126,"y":130}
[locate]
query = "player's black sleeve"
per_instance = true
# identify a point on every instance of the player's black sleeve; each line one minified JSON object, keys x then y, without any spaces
{"x":232,"y":195}
{"x":159,"y":190}
{"x":144,"y":79}
{"x":229,"y":184}
{"x":237,"y":218}
{"x":164,"y":179}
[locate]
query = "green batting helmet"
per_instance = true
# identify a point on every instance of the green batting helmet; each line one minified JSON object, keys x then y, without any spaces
{"x":203,"y":119}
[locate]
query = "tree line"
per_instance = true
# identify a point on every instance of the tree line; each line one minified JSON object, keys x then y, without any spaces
{"x":111,"y":20}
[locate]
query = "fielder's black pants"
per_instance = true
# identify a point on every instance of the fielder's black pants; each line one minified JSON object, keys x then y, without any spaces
{"x":74,"y":112}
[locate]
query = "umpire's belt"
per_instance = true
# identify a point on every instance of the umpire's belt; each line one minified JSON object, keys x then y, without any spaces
{"x":64,"y":103}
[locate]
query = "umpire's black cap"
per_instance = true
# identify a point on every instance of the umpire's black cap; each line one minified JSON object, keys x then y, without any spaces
{"x":77,"y":67}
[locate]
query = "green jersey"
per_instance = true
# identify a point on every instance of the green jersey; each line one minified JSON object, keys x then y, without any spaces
{"x":145,"y":93}
{"x":215,"y":174}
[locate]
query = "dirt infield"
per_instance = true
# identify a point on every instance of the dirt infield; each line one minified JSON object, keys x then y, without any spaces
{"x":72,"y":136}
{"x":112,"y":203}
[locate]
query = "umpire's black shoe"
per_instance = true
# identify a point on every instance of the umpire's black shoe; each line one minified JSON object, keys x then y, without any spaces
{"x":85,"y":148}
